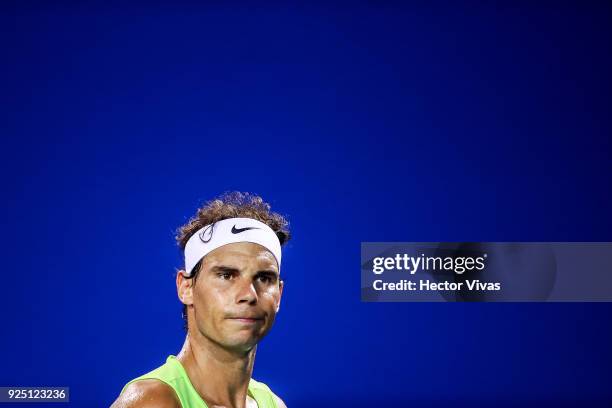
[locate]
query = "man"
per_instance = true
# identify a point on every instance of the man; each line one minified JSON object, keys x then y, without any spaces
{"x":231,"y":291}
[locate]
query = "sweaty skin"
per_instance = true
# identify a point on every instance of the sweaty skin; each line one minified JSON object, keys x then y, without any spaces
{"x":230,"y":308}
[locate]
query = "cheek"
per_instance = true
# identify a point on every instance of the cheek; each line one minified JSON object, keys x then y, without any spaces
{"x":209,"y":301}
{"x":271,"y":295}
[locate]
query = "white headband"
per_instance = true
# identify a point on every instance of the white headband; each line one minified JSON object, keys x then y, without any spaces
{"x":229,"y":231}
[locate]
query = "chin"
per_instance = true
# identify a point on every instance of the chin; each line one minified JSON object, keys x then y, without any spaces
{"x":243,"y":342}
{"x":243,"y":347}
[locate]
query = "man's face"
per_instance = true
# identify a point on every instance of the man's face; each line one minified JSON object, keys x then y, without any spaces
{"x":236,"y":295}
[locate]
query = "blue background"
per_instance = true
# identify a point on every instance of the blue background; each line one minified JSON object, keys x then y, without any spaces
{"x":371,"y":122}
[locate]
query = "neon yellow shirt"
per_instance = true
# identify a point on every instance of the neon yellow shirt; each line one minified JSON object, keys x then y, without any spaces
{"x":173,"y":374}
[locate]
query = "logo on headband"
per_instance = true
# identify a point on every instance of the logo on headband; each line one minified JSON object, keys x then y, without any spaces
{"x":239,"y":230}
{"x":206,"y":235}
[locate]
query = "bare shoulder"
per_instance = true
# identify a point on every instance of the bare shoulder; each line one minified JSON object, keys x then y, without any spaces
{"x":147,"y":394}
{"x":279,"y":402}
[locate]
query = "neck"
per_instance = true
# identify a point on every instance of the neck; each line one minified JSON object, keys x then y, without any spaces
{"x":219,"y":375}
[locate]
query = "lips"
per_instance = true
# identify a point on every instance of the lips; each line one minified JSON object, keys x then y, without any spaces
{"x":246,"y":318}
{"x":247,"y":321}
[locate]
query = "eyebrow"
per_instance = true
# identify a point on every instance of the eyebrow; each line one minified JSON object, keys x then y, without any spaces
{"x":231,"y":269}
{"x":269,"y":272}
{"x":222,"y":268}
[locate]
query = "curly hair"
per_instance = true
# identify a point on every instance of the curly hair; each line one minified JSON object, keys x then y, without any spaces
{"x":230,"y":205}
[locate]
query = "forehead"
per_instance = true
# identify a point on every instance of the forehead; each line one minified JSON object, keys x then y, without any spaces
{"x":241,"y":252}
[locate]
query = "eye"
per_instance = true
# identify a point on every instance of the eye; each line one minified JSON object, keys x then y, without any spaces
{"x":266,"y":278}
{"x":225,"y":275}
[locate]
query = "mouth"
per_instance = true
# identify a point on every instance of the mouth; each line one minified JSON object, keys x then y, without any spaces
{"x":246,"y":320}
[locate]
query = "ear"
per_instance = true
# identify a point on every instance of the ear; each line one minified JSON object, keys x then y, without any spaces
{"x":184,"y":288}
{"x":280,"y":296}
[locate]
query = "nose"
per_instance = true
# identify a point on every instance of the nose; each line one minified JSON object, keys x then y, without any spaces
{"x":246,"y":292}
